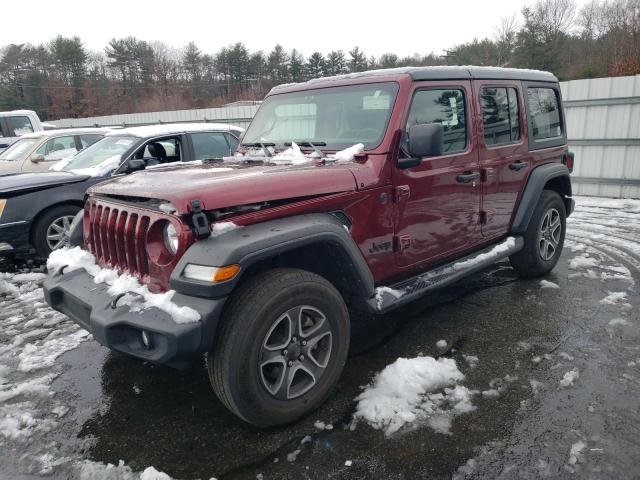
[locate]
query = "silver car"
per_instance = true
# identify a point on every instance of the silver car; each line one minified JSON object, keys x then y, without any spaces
{"x":38,"y":151}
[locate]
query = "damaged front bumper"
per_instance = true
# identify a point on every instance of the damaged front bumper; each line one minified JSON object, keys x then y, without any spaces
{"x":150,"y":334}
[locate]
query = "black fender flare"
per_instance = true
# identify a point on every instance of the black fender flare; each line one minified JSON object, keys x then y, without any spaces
{"x":538,"y":178}
{"x":250,"y":244}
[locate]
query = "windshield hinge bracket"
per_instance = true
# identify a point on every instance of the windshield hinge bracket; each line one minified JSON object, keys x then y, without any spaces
{"x":200,"y":220}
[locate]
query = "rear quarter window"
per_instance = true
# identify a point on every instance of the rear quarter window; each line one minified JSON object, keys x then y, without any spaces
{"x":545,"y":117}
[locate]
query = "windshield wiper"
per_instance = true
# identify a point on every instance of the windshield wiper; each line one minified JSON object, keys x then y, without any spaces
{"x":314,"y":145}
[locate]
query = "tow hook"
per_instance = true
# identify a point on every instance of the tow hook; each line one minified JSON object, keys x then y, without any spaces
{"x":61,"y":270}
{"x":114,"y":301}
{"x":200,"y":220}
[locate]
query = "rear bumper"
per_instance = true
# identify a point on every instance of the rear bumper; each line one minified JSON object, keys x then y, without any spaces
{"x":76,"y":295}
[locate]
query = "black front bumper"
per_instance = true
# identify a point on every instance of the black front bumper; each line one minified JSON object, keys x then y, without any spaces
{"x":16,"y":235}
{"x":76,"y":295}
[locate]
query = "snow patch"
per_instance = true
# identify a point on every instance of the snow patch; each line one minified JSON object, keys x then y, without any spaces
{"x":583,"y":261}
{"x":167,"y":208}
{"x":380,"y":291}
{"x":575,"y":454}
{"x":441,"y":344}
{"x":618,"y":321}
{"x":420,"y":389}
{"x":138,"y":297}
{"x":219,"y":228}
{"x":493,"y":254}
{"x":547,"y":284}
{"x":615,"y":298}
{"x":569,"y":378}
{"x":471,"y":360}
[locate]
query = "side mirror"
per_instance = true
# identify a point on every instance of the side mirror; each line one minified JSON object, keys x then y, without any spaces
{"x":36,"y":158}
{"x":136,"y":164}
{"x":425,"y":140}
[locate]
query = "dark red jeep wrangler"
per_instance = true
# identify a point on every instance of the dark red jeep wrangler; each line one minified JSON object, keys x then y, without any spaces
{"x":357,"y":192}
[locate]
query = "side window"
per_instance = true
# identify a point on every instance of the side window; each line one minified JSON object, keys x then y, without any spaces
{"x":90,"y":139}
{"x":544,"y":113}
{"x":500,"y":119}
{"x":165,"y":150}
{"x":20,"y":125}
{"x":207,"y":145}
{"x":446,"y":107}
{"x":232,"y":141}
{"x":57,"y":148}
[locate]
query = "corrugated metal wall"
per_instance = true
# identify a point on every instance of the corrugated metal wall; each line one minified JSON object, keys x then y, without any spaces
{"x":236,"y":115}
{"x":603,"y":119}
{"x":603,"y":127}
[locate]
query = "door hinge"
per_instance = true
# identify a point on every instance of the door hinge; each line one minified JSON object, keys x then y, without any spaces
{"x":402,"y":192}
{"x":483,"y":217}
{"x":200,"y":220}
{"x":401,"y":243}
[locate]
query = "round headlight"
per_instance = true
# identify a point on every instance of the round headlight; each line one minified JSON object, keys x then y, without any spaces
{"x":171,"y":238}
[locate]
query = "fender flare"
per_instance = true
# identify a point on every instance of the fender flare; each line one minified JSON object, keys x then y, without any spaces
{"x":247,"y":245}
{"x":538,"y":178}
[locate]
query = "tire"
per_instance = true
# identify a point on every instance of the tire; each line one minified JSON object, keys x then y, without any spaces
{"x":254,"y":351}
{"x":543,"y":241}
{"x":45,"y":223}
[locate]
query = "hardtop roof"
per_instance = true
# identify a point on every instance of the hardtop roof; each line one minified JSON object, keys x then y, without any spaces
{"x":435,"y":73}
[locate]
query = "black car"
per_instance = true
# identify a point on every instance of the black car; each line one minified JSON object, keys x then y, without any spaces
{"x":36,"y":209}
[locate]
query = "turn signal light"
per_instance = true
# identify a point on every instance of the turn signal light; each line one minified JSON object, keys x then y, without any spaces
{"x":226,"y":273}
{"x":204,"y":273}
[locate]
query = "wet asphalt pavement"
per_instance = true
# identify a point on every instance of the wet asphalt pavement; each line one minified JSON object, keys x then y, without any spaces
{"x":90,"y":407}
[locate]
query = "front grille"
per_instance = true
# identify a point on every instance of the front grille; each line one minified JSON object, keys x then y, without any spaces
{"x":117,"y":237}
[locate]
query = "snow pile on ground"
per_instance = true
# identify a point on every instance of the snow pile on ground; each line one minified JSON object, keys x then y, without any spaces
{"x":569,"y":378}
{"x":575,"y":454}
{"x":615,"y":298}
{"x":322,"y":426}
{"x":441,"y":344}
{"x":493,"y":254}
{"x":88,"y":470}
{"x":137,"y":296}
{"x":583,"y":261}
{"x":33,"y":337}
{"x":471,"y":360}
{"x":411,"y":390}
{"x":547,"y":284}
{"x":222,"y":227}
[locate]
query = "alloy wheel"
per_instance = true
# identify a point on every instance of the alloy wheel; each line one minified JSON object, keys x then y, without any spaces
{"x":58,"y":232}
{"x":549,"y":234}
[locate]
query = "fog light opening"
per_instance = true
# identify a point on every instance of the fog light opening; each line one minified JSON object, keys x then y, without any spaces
{"x":146,"y":339}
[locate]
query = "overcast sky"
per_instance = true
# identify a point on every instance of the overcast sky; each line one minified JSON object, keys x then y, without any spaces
{"x":401,"y":27}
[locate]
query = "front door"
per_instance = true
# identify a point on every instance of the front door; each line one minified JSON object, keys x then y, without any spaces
{"x":438,"y":201}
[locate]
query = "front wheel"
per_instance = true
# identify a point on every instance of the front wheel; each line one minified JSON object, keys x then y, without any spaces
{"x":282,"y":345}
{"x":544,"y":238}
{"x":51,"y":230}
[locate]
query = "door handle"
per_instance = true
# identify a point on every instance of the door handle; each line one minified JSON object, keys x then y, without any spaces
{"x":468,"y":177}
{"x":519,"y":165}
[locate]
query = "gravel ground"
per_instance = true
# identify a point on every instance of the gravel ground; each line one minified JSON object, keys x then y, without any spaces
{"x":551,"y":369}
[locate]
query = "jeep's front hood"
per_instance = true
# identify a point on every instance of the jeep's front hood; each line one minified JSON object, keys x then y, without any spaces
{"x":220,"y":186}
{"x":12,"y":184}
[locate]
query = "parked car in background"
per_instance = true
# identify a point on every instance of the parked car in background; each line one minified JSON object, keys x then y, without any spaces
{"x":16,"y":123}
{"x":39,"y":151}
{"x":357,"y":192}
{"x":36,"y":209}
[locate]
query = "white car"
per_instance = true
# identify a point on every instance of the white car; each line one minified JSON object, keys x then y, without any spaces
{"x":37,"y":152}
{"x":16,"y":123}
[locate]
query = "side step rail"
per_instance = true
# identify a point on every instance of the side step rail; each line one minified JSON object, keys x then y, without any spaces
{"x":392,"y":296}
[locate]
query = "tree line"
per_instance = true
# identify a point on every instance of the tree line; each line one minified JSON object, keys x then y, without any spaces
{"x":62,"y":78}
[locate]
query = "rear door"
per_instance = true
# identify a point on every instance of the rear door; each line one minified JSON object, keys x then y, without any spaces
{"x":438,"y":201}
{"x":505,"y":160}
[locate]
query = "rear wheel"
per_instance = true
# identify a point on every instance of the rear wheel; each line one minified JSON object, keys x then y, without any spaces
{"x":282,"y":345}
{"x":51,"y":231}
{"x":544,"y":238}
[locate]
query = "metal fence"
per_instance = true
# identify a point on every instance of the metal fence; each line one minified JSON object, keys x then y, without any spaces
{"x":603,"y":120}
{"x":603,"y":127}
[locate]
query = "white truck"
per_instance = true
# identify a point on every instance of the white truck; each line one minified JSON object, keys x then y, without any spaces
{"x":17,"y":123}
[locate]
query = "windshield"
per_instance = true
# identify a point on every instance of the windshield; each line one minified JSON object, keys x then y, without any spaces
{"x":18,"y":150}
{"x":107,"y":152}
{"x":334,"y":118}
